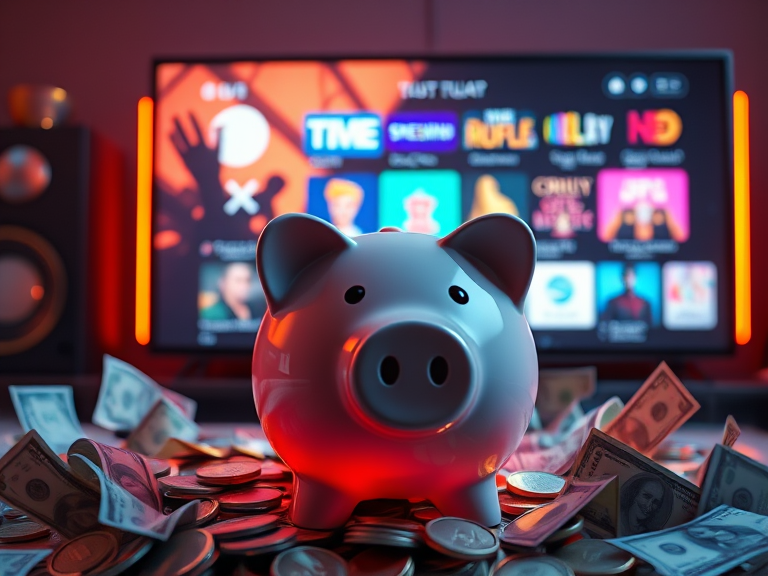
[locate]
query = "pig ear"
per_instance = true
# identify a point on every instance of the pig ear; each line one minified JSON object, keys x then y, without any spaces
{"x":502,"y":247}
{"x":287,"y":246}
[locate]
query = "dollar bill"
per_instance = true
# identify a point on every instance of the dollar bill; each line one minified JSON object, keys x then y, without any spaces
{"x":658,"y":408}
{"x":711,"y":544}
{"x":735,"y":480}
{"x":51,"y":411}
{"x":535,"y":526}
{"x":119,"y":509}
{"x":650,"y":496}
{"x":123,"y":467}
{"x":556,"y":453}
{"x":559,"y":387}
{"x":34,"y":479}
{"x":20,"y":562}
{"x":165,"y":420}
{"x":127,"y":394}
{"x":731,"y":433}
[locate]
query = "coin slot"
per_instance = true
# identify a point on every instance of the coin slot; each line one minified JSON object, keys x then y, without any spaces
{"x":389,"y":370}
{"x":438,"y":370}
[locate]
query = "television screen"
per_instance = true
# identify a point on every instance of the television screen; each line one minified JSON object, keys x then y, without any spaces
{"x":620,"y":166}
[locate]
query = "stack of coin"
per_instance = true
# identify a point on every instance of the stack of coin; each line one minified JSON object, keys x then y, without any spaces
{"x":384,"y":532}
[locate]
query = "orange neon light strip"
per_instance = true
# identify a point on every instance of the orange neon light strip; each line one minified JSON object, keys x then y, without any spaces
{"x":143,"y":218}
{"x":741,"y":217}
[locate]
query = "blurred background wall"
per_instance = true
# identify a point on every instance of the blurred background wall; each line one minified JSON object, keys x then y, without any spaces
{"x":101,"y":53}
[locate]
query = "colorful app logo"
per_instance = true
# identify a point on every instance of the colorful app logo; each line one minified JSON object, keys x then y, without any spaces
{"x":500,"y":129}
{"x":629,"y":292}
{"x":348,"y":201}
{"x":690,"y":295}
{"x":560,"y":205}
{"x":356,"y":135}
{"x":642,"y":205}
{"x":425,"y":201}
{"x":570,"y":129}
{"x":422,"y":132}
{"x":498,"y":191}
{"x":562,"y":296}
{"x":654,"y":127}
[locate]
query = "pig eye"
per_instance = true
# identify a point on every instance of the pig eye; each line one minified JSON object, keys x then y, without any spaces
{"x":354,"y":294}
{"x":458,"y":294}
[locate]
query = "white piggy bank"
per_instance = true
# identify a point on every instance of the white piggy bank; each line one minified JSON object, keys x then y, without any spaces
{"x":393,"y":364}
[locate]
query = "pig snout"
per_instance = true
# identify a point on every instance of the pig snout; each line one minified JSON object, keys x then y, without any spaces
{"x":412,"y":376}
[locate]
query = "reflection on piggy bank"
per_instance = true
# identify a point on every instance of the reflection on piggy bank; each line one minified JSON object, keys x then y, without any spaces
{"x":393,"y":364}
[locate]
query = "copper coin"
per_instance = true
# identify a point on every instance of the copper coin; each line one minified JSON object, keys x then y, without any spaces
{"x":127,"y":556}
{"x":207,"y":510}
{"x":184,"y":553}
{"x":252,"y":499}
{"x":242,"y":527}
{"x":264,"y":544}
{"x":229,"y":473}
{"x":535,"y":484}
{"x":461,"y":538}
{"x":426,"y":514}
{"x":83,"y":554}
{"x":186,"y":485}
{"x":21,"y":531}
{"x":514,"y":505}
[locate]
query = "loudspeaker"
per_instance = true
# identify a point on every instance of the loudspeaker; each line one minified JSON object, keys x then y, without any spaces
{"x":44,"y":196}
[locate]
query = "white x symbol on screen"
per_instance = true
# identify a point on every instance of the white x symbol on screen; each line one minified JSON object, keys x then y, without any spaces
{"x":241,"y":197}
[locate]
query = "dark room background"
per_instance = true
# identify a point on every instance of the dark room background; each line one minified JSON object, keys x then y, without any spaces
{"x":101,"y":53}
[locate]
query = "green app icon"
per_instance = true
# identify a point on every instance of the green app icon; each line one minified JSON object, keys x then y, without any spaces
{"x":425,"y":201}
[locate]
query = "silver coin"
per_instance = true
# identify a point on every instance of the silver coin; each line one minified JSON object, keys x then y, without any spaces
{"x":378,"y":562}
{"x":182,"y":554}
{"x":273,"y":541}
{"x":461,"y":538}
{"x":242,"y":527}
{"x":531,"y":565}
{"x":308,"y":561}
{"x":384,"y":532}
{"x":396,"y":523}
{"x":374,"y":540}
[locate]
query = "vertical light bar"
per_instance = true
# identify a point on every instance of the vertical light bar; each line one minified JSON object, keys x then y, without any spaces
{"x":143,"y":218}
{"x":741,"y":217}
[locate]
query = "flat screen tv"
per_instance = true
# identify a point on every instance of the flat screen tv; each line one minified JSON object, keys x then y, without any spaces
{"x":621,"y":165}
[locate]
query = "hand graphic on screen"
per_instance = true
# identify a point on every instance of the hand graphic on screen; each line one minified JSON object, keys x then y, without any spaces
{"x":201,"y":161}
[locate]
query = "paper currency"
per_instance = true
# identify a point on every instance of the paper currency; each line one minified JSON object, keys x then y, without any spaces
{"x":532,"y":528}
{"x":556,"y":453}
{"x":20,"y":562}
{"x":735,"y":480}
{"x":711,"y":544}
{"x":731,"y":433}
{"x":650,"y":496}
{"x":35,"y":480}
{"x":127,"y":394}
{"x":121,"y":510}
{"x":126,"y":469}
{"x":658,"y":408}
{"x":163,"y":421}
{"x":51,"y":411}
{"x":559,"y":387}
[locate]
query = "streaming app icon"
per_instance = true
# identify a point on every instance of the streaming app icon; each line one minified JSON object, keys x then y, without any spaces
{"x":571,"y":129}
{"x":422,"y":132}
{"x":348,"y":201}
{"x":350,"y":135}
{"x":562,"y":296}
{"x":650,"y":204}
{"x":500,"y":129}
{"x":628,"y":291}
{"x":425,"y":201}
{"x":690,"y":295}
{"x":497,"y":191}
{"x":654,"y":127}
{"x":562,"y":205}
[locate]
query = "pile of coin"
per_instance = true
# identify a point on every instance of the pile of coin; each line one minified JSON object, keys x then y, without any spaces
{"x":242,"y":527}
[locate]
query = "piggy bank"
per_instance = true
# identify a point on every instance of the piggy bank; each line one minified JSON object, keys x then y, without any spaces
{"x":394,"y":364}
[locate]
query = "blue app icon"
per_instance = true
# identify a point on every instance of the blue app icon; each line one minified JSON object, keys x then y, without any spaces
{"x":559,"y":289}
{"x":349,"y":135}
